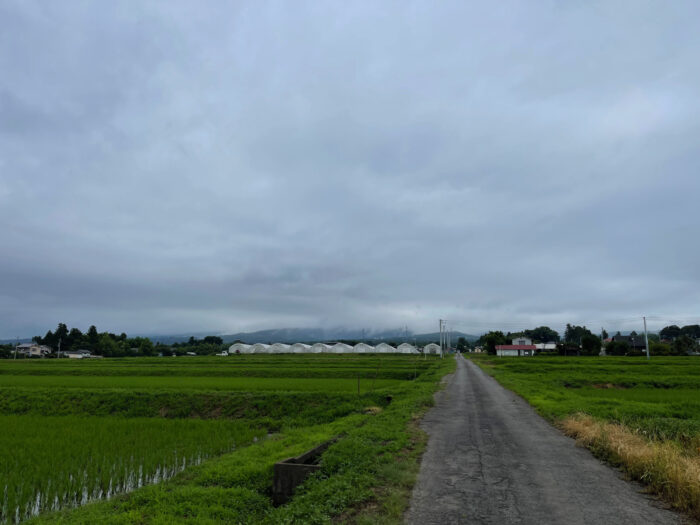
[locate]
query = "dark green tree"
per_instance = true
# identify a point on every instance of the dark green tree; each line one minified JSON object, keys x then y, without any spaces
{"x":462,"y":344}
{"x":670,"y":332}
{"x":542,"y":334}
{"x":92,"y":336}
{"x":684,"y":344}
{"x":491,"y":339}
{"x":590,"y":345}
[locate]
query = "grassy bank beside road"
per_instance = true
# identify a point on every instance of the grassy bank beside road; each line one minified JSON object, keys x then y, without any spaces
{"x":643,"y":416}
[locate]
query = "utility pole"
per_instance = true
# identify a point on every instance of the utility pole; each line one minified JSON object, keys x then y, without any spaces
{"x":16,"y":345}
{"x":646,"y":336}
{"x":602,"y":341}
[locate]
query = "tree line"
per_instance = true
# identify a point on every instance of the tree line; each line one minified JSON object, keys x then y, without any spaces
{"x":579,"y":340}
{"x":108,"y":344}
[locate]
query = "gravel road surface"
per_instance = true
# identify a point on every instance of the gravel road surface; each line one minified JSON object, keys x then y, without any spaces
{"x":492,"y":459}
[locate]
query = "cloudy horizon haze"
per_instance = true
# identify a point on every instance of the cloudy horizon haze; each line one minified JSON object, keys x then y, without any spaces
{"x":175,"y":167}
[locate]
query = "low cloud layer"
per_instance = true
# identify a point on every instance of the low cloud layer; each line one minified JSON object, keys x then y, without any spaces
{"x":167,"y":167}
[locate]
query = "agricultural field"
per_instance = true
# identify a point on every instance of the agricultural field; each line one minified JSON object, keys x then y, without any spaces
{"x":193,"y":440}
{"x":641,"y":415}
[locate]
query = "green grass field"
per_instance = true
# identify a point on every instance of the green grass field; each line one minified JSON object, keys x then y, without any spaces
{"x":193,"y":440}
{"x":660,"y":397}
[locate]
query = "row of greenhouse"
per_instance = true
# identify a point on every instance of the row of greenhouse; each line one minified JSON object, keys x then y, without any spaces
{"x":324,"y":348}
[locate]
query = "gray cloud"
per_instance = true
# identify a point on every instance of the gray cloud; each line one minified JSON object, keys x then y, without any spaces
{"x":171,"y":167}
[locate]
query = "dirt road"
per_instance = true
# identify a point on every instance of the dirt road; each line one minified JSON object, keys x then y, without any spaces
{"x":492,"y":459}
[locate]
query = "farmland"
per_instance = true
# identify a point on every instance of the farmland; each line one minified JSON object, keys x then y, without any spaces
{"x":641,"y":415}
{"x":194,"y":439}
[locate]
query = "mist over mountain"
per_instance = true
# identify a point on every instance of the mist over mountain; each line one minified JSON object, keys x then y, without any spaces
{"x":315,"y":335}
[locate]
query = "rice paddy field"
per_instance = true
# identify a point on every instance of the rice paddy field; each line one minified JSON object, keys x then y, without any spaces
{"x":194,"y":439}
{"x":642,"y":415}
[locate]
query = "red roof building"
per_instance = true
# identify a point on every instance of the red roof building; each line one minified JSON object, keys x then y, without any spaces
{"x":515,"y":350}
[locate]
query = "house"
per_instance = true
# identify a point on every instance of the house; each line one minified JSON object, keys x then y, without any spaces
{"x":522,"y":346}
{"x":546,"y":347}
{"x":33,"y":350}
{"x":77,"y":354}
{"x":635,"y":342}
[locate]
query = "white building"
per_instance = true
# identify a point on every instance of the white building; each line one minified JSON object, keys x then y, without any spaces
{"x":405,"y":348}
{"x":300,"y":348}
{"x":279,"y":348}
{"x":362,"y":348}
{"x":259,"y":348}
{"x":239,"y":348}
{"x":320,"y":348}
{"x":33,"y":350}
{"x":431,"y":348}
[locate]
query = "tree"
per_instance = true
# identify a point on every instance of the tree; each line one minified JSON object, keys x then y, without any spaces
{"x":62,"y":336}
{"x":92,"y":336}
{"x":107,"y":346}
{"x":75,"y":337}
{"x":617,"y":348}
{"x":692,"y":331}
{"x":684,"y":344}
{"x":146,"y":347}
{"x":461,"y":344}
{"x":670,"y":332}
{"x":604,"y":334}
{"x":491,"y":339}
{"x":590,"y":345}
{"x":213,"y":340}
{"x":542,"y":334}
{"x":574,"y":334}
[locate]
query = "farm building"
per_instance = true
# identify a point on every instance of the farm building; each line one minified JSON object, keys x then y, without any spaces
{"x":383,"y":348}
{"x":300,"y":348}
{"x":431,"y":348}
{"x":278,"y":348}
{"x":405,"y":348}
{"x":515,"y":350}
{"x":78,"y":354}
{"x":341,"y":348}
{"x":239,"y":348}
{"x":319,"y":348}
{"x":259,"y":348}
{"x":362,"y":348}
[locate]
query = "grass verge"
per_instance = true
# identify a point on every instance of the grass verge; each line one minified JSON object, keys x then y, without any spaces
{"x":664,"y":467}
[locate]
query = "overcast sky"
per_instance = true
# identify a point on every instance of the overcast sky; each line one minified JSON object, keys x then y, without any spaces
{"x":168,"y":167}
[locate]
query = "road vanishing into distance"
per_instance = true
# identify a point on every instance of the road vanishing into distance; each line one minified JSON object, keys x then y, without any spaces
{"x":492,"y":459}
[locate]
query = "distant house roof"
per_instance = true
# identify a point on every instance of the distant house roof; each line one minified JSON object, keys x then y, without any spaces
{"x":634,"y":342}
{"x":516,"y":347}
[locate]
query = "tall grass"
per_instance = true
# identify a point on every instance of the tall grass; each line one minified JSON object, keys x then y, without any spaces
{"x":661,"y":465}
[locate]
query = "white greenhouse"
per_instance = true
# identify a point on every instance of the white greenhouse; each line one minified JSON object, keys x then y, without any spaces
{"x":432,"y":348}
{"x":319,"y":348}
{"x":260,"y":348}
{"x":300,"y":348}
{"x":239,"y":348}
{"x":405,"y":348}
{"x":341,"y":348}
{"x":362,"y":348}
{"x":383,"y":348}
{"x":279,"y":348}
